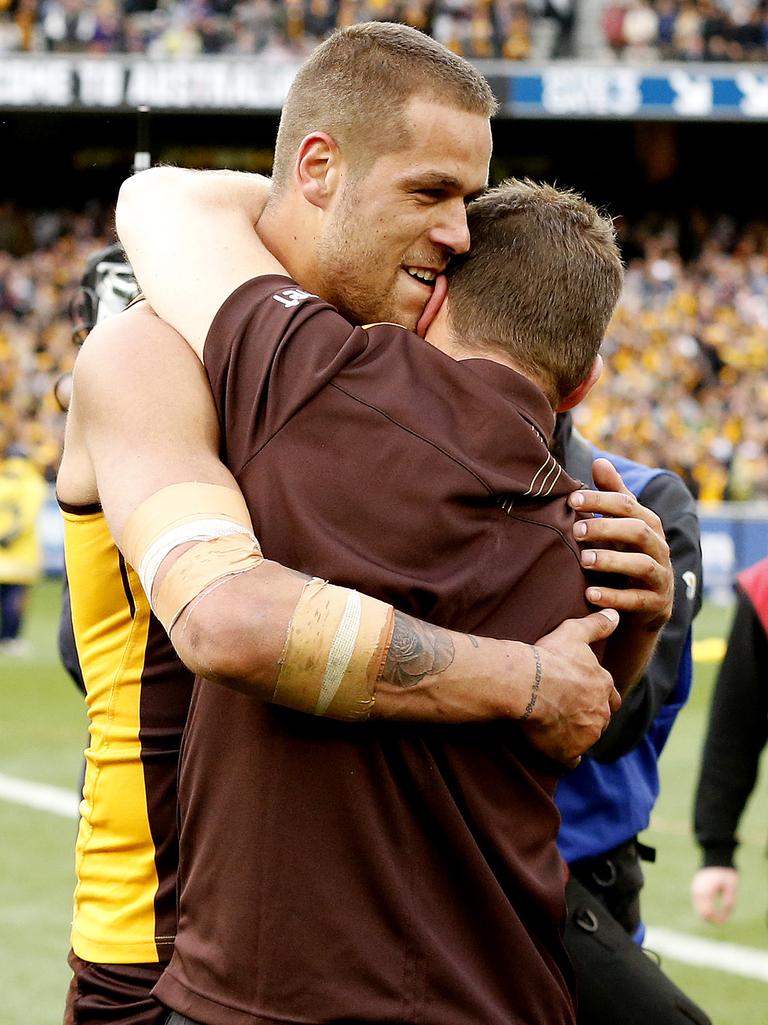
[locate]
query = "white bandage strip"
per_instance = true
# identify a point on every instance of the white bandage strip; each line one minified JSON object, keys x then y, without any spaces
{"x":195,"y":530}
{"x":341,"y":652}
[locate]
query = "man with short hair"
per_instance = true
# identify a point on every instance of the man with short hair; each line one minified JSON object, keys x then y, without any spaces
{"x":142,"y":420}
{"x":383,"y":882}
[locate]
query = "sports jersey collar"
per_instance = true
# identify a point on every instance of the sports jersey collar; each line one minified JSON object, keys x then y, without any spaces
{"x":526,"y":395}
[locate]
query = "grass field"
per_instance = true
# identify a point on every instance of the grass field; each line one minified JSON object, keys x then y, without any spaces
{"x":42,"y":726}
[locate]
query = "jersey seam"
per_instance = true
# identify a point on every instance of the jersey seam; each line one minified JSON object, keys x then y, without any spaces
{"x":386,"y":416}
{"x":555,"y":530}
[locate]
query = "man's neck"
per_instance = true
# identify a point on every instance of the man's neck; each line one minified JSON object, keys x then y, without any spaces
{"x":441,"y":336}
{"x":288,"y":230}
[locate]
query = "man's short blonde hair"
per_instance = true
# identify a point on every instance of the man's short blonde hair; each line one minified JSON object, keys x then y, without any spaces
{"x":356,"y":85}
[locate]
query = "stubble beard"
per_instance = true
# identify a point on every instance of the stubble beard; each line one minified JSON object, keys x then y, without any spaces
{"x":346,"y":265}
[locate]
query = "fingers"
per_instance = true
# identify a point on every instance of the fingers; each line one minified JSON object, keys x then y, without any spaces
{"x":608,"y":478}
{"x":649,"y":604}
{"x":613,"y":498}
{"x":617,"y":506}
{"x":637,"y":565}
{"x":633,"y":532}
{"x":563,"y":746}
{"x":713,"y":893}
{"x":595,"y":627}
{"x":572,"y":763}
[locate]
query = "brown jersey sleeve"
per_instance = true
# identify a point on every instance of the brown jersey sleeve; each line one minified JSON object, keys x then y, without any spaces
{"x":270,"y":349}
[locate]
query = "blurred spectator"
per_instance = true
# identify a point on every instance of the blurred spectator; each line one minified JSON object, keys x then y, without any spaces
{"x":684,"y":383}
{"x":712,"y":30}
{"x":478,"y":29}
{"x":737,"y":734}
{"x":68,"y":25}
{"x":22,"y":491}
{"x":641,"y":29}
{"x":612,"y":23}
{"x":41,"y":259}
{"x":687,"y":30}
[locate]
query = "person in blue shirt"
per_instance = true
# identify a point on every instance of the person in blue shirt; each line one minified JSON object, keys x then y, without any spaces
{"x":607,"y":801}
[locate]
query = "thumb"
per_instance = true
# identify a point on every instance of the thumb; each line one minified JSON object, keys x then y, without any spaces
{"x":598,"y":625}
{"x":607,"y":477}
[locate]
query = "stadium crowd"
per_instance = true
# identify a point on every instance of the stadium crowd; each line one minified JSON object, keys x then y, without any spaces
{"x":41,"y":260}
{"x":683,"y":385}
{"x":474,"y":28}
{"x":686,"y":30}
{"x":710,"y":30}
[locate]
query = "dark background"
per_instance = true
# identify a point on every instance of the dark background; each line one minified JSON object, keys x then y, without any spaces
{"x":630,"y":168}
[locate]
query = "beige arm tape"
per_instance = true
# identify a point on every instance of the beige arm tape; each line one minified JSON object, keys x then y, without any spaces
{"x":175,"y":506}
{"x":213,"y":516}
{"x":334,"y":652}
{"x":199,"y":567}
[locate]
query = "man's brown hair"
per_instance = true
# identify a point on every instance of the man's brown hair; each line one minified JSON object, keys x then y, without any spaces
{"x":355,"y":86}
{"x":540,"y":281}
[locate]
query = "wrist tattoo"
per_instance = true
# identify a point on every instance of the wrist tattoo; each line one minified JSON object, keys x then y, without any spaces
{"x":417,"y":650}
{"x":535,"y":689}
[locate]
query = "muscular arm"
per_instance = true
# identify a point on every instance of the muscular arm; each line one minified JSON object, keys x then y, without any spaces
{"x":144,"y":418}
{"x":190,"y":238}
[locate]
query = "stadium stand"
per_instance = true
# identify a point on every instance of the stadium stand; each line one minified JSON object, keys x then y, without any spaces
{"x":42,"y":257}
{"x":686,"y":30}
{"x":475,"y":28}
{"x":645,"y":30}
{"x":681,"y":386}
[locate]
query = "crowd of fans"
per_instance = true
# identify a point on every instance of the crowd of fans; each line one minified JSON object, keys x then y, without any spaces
{"x":687,"y":30}
{"x":685,"y":355}
{"x":475,"y":28}
{"x":710,"y":30}
{"x":41,"y":260}
{"x":684,"y":384}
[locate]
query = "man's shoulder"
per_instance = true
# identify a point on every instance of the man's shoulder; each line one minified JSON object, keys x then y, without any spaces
{"x":135,"y":338}
{"x":134,"y":366}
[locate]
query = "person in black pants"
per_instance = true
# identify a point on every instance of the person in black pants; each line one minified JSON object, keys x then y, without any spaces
{"x":736,"y":737}
{"x":608,"y":799}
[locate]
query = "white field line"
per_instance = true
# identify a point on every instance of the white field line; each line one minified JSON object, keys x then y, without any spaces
{"x":39,"y":795}
{"x":694,"y":950}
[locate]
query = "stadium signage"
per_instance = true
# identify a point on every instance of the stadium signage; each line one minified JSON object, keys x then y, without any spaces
{"x":556,"y":90}
{"x":108,"y":83}
{"x":672,"y":92}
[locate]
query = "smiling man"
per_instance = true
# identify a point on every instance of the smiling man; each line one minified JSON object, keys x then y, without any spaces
{"x":391,"y":874}
{"x":349,"y":155}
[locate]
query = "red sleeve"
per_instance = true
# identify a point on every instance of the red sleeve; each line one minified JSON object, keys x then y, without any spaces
{"x":270,"y":349}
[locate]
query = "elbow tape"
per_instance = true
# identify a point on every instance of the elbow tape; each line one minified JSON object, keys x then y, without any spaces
{"x":213,"y":516}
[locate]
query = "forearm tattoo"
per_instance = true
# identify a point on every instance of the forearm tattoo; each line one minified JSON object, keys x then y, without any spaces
{"x":417,"y":650}
{"x":535,"y":689}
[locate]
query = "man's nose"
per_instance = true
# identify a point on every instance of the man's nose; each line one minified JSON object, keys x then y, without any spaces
{"x":451,"y":230}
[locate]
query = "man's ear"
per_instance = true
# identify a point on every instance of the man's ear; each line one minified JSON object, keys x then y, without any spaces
{"x":317,"y":168}
{"x":581,"y":391}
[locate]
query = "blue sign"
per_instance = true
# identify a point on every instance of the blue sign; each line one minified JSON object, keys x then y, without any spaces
{"x":676,"y":91}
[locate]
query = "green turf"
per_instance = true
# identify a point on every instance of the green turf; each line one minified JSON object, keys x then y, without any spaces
{"x":43,"y":730}
{"x":42,"y":726}
{"x":730,"y":1000}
